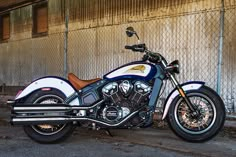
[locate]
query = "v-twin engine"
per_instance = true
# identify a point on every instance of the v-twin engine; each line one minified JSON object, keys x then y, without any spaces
{"x":123,"y":98}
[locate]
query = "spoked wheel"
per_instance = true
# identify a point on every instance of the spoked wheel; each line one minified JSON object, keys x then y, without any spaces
{"x":47,"y":133}
{"x":206,"y":124}
{"x":47,"y":129}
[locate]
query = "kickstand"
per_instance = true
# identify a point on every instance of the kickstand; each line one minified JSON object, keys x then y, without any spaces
{"x":108,"y":132}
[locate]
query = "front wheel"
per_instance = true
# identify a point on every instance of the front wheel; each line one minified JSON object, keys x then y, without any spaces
{"x":202,"y":127}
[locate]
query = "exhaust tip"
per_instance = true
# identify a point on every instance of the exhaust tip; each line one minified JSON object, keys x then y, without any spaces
{"x":10,"y":102}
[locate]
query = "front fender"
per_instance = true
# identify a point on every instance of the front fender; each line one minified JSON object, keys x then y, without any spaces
{"x":193,"y":85}
{"x":49,"y":82}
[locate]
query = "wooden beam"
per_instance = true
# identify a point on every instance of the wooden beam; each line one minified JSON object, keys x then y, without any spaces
{"x":15,"y":5}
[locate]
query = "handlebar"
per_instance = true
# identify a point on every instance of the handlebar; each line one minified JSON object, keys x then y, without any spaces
{"x":150,"y":56}
{"x":129,"y":47}
{"x":136,"y":48}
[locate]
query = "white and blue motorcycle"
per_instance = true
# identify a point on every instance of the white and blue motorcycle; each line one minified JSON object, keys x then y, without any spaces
{"x":50,"y":107}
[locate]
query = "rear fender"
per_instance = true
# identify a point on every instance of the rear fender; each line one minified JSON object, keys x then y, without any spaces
{"x":50,"y":82}
{"x":193,"y":85}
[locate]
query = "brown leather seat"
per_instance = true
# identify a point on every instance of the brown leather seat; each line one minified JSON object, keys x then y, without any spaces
{"x":78,"y":83}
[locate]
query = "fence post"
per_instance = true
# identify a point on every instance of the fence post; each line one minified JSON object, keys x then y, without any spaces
{"x":220,"y":50}
{"x":66,"y":39}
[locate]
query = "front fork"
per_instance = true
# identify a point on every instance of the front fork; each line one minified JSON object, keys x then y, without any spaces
{"x":192,"y":108}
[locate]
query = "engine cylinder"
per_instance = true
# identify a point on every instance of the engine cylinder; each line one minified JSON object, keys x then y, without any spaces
{"x":124,"y":97}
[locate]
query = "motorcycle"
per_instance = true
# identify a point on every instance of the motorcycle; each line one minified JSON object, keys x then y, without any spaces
{"x":51,"y":107}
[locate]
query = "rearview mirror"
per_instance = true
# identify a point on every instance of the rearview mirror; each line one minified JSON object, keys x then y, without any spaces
{"x":130,"y":31}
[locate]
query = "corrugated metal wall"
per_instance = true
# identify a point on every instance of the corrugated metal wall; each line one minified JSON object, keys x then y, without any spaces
{"x":95,"y":13}
{"x":228,"y":82}
{"x":25,"y":58}
{"x":187,"y":30}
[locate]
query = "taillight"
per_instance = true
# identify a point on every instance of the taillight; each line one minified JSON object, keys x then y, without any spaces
{"x":18,"y":93}
{"x":45,"y":89}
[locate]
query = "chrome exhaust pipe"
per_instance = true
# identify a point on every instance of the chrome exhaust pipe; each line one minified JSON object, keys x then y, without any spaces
{"x":27,"y":120}
{"x":38,"y":120}
{"x":36,"y":108}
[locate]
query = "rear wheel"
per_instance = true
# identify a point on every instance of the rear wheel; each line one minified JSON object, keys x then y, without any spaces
{"x":48,"y":133}
{"x":202,"y":127}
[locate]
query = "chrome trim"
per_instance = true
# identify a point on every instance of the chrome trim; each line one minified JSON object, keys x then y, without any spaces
{"x":69,"y":119}
{"x":55,"y":107}
{"x":84,"y":108}
{"x":40,"y":108}
{"x":10,"y":101}
{"x":174,"y":80}
{"x":37,"y":119}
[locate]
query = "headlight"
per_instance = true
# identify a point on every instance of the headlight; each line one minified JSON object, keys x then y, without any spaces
{"x":173,"y":67}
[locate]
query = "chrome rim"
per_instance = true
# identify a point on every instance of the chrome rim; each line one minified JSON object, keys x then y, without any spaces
{"x":47,"y":129}
{"x":200,"y":124}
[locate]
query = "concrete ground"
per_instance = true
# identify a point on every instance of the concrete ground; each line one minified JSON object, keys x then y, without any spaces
{"x":135,"y":142}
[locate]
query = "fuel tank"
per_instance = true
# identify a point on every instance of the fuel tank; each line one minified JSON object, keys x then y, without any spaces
{"x":134,"y":70}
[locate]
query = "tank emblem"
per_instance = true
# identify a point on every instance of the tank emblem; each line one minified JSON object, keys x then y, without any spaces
{"x":137,"y":69}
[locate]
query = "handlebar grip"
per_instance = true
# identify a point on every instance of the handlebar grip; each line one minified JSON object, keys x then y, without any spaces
{"x":136,"y":48}
{"x":128,"y":47}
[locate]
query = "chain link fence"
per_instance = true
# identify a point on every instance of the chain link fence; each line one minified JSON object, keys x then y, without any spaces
{"x":193,"y":38}
{"x":25,"y":60}
{"x":229,"y":57}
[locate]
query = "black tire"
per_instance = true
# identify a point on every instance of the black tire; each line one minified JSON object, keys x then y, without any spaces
{"x":212,"y":116}
{"x":43,"y":135}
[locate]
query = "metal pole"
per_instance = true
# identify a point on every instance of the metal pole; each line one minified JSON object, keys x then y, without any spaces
{"x":66,"y":41}
{"x":220,"y":50}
